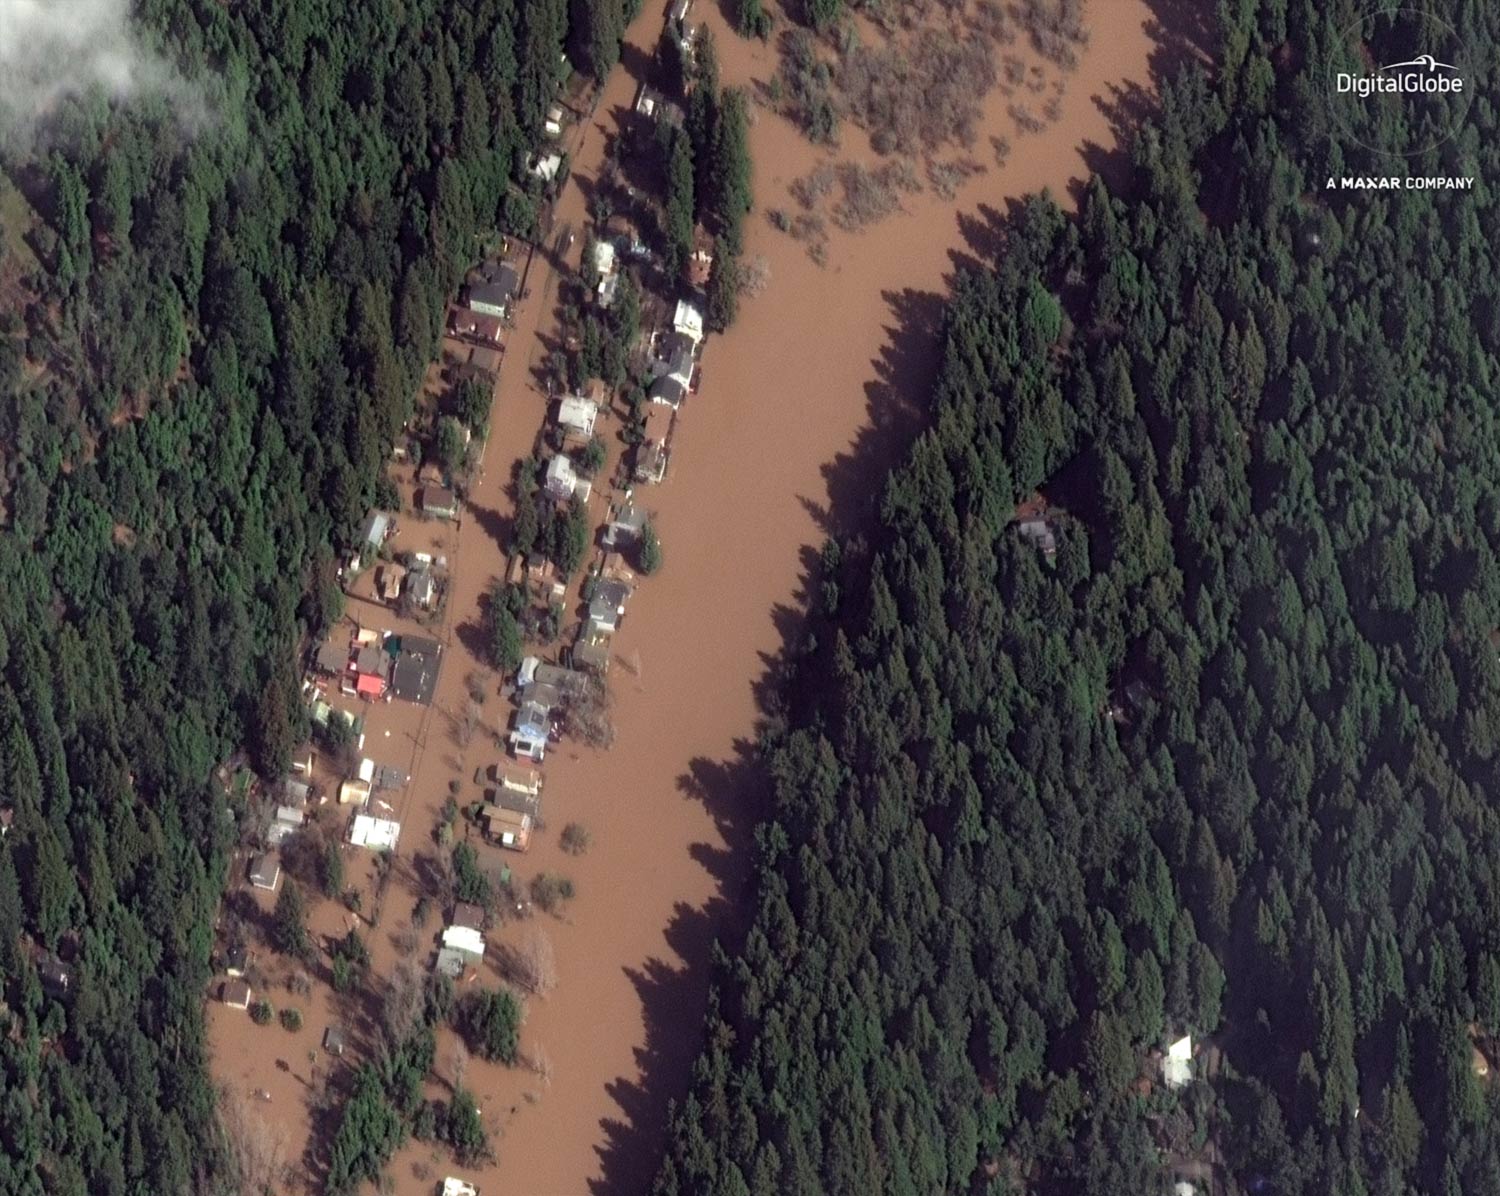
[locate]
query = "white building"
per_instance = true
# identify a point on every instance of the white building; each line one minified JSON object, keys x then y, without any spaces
{"x":378,"y":834}
{"x":563,"y":481}
{"x":1177,"y":1067}
{"x":688,"y":319}
{"x":458,"y":1187}
{"x":577,"y":415}
{"x":465,"y":939}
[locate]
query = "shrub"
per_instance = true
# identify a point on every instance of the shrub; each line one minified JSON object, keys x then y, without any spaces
{"x":575,"y":838}
{"x":549,"y":890}
{"x":490,"y":1022}
{"x":261,"y":1013}
{"x":291,"y":1019}
{"x":650,"y":551}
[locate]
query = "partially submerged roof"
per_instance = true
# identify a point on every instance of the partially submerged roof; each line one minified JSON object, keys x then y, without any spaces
{"x":333,"y":656}
{"x":667,"y":389}
{"x":469,"y":915}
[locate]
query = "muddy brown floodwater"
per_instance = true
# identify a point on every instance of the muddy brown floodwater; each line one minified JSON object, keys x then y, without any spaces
{"x":801,"y":408}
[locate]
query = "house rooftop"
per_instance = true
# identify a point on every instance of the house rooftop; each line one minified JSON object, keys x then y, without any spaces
{"x":235,"y":993}
{"x":333,"y":656}
{"x":667,"y":389}
{"x":415,"y":676}
{"x":578,"y":414}
{"x":265,"y":871}
{"x":468,"y":915}
{"x":437,"y":500}
{"x":56,"y":976}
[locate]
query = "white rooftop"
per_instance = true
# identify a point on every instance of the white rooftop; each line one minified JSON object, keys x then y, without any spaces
{"x":378,"y":834}
{"x":464,"y":938}
{"x":578,"y":414}
{"x":546,"y":168}
{"x":688,"y":319}
{"x":1177,"y":1067}
{"x":458,"y":1187}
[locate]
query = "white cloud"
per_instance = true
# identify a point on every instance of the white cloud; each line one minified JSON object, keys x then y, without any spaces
{"x":50,"y":49}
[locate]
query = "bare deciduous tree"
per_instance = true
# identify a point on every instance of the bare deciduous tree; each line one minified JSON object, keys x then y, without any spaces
{"x":402,"y":1005}
{"x":257,"y":1147}
{"x":534,"y":963}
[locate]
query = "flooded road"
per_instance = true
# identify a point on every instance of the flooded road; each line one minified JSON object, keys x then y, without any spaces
{"x":800,"y":409}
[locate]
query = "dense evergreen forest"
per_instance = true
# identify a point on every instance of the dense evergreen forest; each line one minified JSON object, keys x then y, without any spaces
{"x":1222,"y":766}
{"x":211,"y":336}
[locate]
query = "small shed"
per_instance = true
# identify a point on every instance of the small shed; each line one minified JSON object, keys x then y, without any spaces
{"x":235,"y":993}
{"x":458,"y":1187}
{"x":333,"y":1041}
{"x":56,"y":976}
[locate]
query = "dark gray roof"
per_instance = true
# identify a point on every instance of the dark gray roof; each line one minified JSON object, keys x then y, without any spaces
{"x":415,"y":676}
{"x":668,"y":390}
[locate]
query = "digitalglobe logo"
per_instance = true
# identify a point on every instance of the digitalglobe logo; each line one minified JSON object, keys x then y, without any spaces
{"x":1414,"y":102}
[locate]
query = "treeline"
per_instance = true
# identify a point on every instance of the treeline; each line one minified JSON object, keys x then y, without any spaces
{"x":706,"y":165}
{"x":1222,"y":766}
{"x":222,"y":332}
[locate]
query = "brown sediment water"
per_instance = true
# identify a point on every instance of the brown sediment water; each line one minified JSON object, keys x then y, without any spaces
{"x":800,"y":409}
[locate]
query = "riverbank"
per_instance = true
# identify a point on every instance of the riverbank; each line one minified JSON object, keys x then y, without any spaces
{"x":800,"y":409}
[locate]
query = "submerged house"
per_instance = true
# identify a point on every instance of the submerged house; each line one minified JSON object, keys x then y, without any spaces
{"x":265,"y":872}
{"x":688,"y":319}
{"x":509,"y":828}
{"x":438,"y":501}
{"x":607,"y":608}
{"x":576,"y":416}
{"x":528,"y":738}
{"x":563,"y":481}
{"x":235,"y":993}
{"x":626,"y":526}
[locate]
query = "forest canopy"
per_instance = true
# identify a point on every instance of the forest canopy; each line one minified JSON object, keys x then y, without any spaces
{"x":210,"y":338}
{"x":1162,"y":700}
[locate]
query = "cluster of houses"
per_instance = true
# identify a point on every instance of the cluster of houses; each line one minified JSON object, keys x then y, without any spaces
{"x":419,"y":578}
{"x":381,"y":665}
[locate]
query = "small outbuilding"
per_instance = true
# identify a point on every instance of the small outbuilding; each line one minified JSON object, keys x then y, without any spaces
{"x":235,"y":993}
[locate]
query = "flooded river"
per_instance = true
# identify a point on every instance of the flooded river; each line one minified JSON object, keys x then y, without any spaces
{"x":801,"y":407}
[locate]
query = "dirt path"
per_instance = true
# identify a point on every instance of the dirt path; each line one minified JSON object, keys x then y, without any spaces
{"x":800,"y":409}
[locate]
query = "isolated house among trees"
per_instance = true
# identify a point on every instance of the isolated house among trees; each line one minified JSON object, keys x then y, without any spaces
{"x":265,"y":872}
{"x":235,"y":993}
{"x":495,"y":290}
